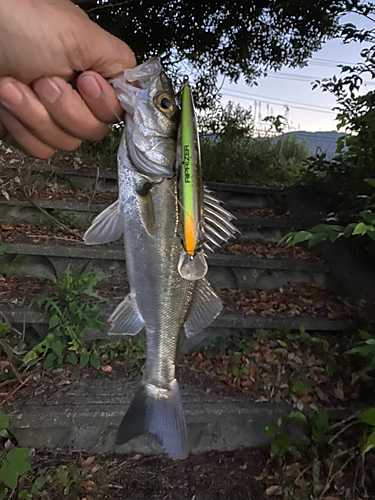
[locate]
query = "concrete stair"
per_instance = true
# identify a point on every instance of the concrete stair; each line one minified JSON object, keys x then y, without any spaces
{"x":85,"y":415}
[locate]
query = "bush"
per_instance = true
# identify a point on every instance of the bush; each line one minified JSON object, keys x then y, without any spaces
{"x":253,"y":160}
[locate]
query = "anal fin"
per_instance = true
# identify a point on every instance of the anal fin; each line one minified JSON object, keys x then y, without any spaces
{"x":126,"y":319}
{"x":205,"y":307}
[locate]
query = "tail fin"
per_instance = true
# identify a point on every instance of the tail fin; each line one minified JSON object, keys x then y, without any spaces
{"x":163,"y":417}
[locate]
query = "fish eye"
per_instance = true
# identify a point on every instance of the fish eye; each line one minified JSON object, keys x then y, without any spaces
{"x":166,"y":104}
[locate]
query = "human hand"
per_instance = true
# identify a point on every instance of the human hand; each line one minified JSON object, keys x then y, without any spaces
{"x":43,"y":43}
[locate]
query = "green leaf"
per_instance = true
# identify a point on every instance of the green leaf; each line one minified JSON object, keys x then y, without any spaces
{"x":283,"y":441}
{"x":301,"y":236}
{"x":54,"y":321}
{"x":281,"y":421}
{"x":57,"y":347}
{"x":315,"y":239}
{"x":303,"y":333}
{"x":279,"y":350}
{"x":296,"y":454}
{"x":72,"y":358}
{"x":269,"y":431}
{"x":3,"y":249}
{"x":364,"y":335}
{"x":50,"y":361}
{"x":362,"y":228}
{"x":236,"y":357}
{"x":305,"y":440}
{"x":4,"y":421}
{"x":85,"y":357}
{"x":30,"y":356}
{"x":368,"y":216}
{"x":324,"y":342}
{"x":3,"y":493}
{"x":297,"y":416}
{"x":94,"y":361}
{"x":368,"y":416}
{"x":370,"y":443}
{"x":370,"y":182}
{"x":331,"y":368}
{"x":235,"y":371}
{"x":62,"y":475}
{"x":16,"y":463}
{"x":4,"y":433}
{"x":301,"y":387}
{"x":363,"y":350}
{"x":245,"y":371}
{"x":38,"y":483}
{"x":24,"y":495}
{"x":208,"y":353}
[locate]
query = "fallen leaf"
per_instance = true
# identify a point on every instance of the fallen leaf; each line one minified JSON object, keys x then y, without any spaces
{"x":63,"y":382}
{"x":88,"y":485}
{"x":273,"y":490}
{"x":95,"y":469}
{"x":106,"y":368}
{"x":88,"y":461}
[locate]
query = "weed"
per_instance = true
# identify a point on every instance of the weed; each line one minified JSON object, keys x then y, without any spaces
{"x":281,"y":444}
{"x":131,"y":353}
{"x":70,"y":312}
{"x":14,"y":463}
{"x":366,"y":349}
{"x":67,"y":218}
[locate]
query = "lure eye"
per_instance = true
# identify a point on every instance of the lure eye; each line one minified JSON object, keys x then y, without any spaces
{"x":166,"y":104}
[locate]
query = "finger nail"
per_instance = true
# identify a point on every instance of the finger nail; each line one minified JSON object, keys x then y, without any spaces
{"x":11,"y":95}
{"x":47,"y":89}
{"x":89,"y":85}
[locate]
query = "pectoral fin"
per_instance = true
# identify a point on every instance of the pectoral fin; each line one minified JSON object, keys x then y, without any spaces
{"x":205,"y":307}
{"x":106,"y":227}
{"x":126,"y":319}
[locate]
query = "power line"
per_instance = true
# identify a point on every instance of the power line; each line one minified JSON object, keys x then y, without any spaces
{"x":303,"y":78}
{"x":332,"y":61}
{"x":281,"y":104}
{"x":275,"y":99}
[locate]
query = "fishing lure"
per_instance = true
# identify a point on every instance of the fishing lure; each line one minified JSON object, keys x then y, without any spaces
{"x":192,"y":264}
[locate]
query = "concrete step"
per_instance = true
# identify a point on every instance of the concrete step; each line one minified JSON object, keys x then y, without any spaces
{"x":35,"y":323}
{"x":225,"y":270}
{"x":98,"y":174}
{"x":23,"y":211}
{"x":85,"y":416}
{"x":263,"y":228}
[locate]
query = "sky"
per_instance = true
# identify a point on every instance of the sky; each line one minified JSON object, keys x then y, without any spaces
{"x":309,"y":109}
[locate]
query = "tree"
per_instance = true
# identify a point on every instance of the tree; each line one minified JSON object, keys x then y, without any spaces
{"x":346,"y":174}
{"x":221,"y":37}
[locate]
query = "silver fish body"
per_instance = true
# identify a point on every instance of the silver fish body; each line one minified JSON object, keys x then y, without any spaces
{"x":147,"y":214}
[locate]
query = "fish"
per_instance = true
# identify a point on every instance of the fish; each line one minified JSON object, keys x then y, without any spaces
{"x":148,"y":215}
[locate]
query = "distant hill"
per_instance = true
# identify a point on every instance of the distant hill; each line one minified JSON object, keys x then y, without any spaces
{"x":318,"y":142}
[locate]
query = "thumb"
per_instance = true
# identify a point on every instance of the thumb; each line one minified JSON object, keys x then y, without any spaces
{"x":104,"y":53}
